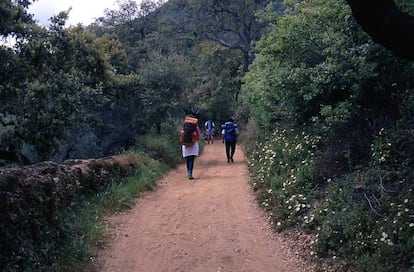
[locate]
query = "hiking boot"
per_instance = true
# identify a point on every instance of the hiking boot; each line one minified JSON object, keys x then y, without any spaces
{"x":232,"y":160}
{"x":190,"y":176}
{"x":228,"y":160}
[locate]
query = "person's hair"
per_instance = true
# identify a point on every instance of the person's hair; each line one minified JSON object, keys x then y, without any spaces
{"x":231,"y":119}
{"x":194,"y":114}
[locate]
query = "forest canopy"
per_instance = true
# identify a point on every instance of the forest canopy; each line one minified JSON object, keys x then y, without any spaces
{"x":89,"y":91}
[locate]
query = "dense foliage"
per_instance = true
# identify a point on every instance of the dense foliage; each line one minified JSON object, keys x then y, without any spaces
{"x":90,"y":91}
{"x":329,"y":111}
{"x":335,"y":158}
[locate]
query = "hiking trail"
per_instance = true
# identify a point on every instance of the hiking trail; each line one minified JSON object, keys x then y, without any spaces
{"x":210,"y":224}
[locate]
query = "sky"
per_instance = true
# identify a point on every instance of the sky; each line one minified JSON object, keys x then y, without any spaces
{"x":83,"y":11}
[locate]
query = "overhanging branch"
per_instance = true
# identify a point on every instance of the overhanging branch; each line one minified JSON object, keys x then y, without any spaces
{"x":386,"y":24}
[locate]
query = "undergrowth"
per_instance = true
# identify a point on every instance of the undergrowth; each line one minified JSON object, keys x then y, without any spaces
{"x":83,"y":225}
{"x":361,"y":220}
{"x":84,"y":229}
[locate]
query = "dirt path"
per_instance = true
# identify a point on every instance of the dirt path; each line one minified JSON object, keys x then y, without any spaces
{"x":210,"y":224}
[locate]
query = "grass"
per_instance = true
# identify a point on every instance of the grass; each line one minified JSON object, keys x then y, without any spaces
{"x":84,"y":227}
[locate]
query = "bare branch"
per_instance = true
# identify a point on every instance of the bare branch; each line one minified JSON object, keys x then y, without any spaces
{"x":383,"y":187}
{"x":370,"y":204}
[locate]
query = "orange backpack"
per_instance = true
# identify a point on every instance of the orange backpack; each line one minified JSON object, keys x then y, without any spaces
{"x":188,"y":133}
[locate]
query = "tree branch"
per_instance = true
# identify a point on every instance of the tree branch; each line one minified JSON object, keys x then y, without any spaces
{"x":386,"y":24}
{"x":370,"y":204}
{"x":383,"y":187}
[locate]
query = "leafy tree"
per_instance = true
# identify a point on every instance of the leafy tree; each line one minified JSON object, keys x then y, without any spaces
{"x":64,"y":77}
{"x":219,"y":80}
{"x":164,"y":82}
{"x":231,"y":24}
{"x":14,"y":19}
{"x":130,"y":24}
{"x":15,"y":25}
{"x":293,"y":54}
{"x":214,"y":69}
{"x":57,"y":79}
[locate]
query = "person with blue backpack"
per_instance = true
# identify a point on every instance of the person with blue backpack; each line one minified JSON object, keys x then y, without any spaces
{"x":229,"y":133}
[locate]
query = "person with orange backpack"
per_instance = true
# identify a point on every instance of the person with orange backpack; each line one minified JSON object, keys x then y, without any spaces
{"x":189,"y":135}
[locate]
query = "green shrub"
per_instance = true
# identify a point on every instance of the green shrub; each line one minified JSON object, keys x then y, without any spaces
{"x":164,"y":147}
{"x":367,"y":226}
{"x":367,"y":219}
{"x":82,"y":224}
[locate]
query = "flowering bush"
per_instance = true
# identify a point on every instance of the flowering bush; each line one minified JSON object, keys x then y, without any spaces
{"x":284,"y":174}
{"x":361,"y":220}
{"x":366,"y":223}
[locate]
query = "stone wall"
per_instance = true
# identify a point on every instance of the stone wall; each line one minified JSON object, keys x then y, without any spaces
{"x":33,"y":199}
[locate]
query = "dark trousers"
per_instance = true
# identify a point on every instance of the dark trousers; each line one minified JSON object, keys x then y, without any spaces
{"x":190,"y":164}
{"x":230,"y":149}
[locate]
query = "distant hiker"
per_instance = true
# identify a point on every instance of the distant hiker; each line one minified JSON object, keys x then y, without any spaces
{"x":229,"y":133}
{"x":209,"y":126}
{"x":189,"y":135}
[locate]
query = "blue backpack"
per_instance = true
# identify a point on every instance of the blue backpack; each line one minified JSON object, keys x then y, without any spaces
{"x":209,"y":124}
{"x":229,"y":131}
